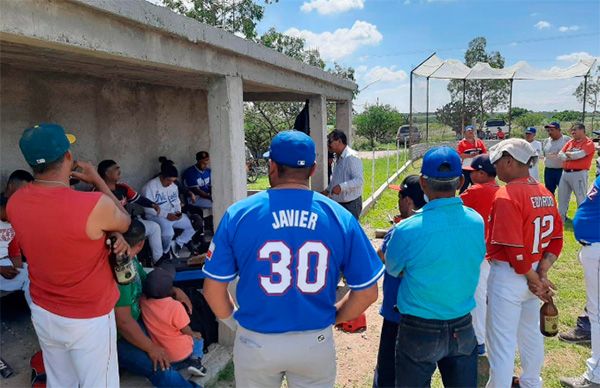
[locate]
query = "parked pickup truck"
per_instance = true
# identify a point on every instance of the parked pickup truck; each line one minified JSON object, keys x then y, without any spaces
{"x":491,"y":126}
{"x":409,"y":134}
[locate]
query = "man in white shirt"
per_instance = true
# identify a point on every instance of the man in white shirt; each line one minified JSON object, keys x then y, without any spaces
{"x":552,"y":163}
{"x":346,"y":184}
{"x":537,"y":146}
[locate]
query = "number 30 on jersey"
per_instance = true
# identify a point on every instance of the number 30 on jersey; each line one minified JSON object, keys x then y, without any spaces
{"x":273,"y":250}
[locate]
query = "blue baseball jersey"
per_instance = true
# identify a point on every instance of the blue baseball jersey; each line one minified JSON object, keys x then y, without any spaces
{"x":391,"y":284}
{"x":586,"y":223}
{"x":289,"y":248}
{"x":194,"y":177}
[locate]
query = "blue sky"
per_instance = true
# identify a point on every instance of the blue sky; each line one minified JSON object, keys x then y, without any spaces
{"x":384,"y":39}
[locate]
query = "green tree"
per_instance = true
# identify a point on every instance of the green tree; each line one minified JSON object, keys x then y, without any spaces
{"x":239,"y":16}
{"x":378,"y":123}
{"x":567,"y":115}
{"x":516,"y":112}
{"x":530,"y":119}
{"x":451,"y":114}
{"x":593,"y":93}
{"x":489,"y":95}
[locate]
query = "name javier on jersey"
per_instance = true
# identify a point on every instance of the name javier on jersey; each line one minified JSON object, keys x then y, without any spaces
{"x":542,"y":201}
{"x":293,"y":218}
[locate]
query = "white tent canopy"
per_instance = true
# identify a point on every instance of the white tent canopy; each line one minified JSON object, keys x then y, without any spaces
{"x":434,"y":67}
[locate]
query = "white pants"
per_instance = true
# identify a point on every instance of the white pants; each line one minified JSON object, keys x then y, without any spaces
{"x":571,"y":182}
{"x":167,"y":230}
{"x":19,"y":282}
{"x":77,"y":352}
{"x":513,"y":316}
{"x":306,"y":359}
{"x":589,"y":257}
{"x":479,"y":312}
{"x":153,"y":233}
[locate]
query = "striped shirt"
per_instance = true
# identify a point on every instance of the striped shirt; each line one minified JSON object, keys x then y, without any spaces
{"x":348,"y":173}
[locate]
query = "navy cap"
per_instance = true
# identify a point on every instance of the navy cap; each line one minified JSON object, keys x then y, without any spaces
{"x":411,"y":188}
{"x":44,"y":143}
{"x":469,"y":128}
{"x":531,"y":130}
{"x":482,"y":163}
{"x":554,"y":124}
{"x":293,"y":149}
{"x":159,"y":282}
{"x":441,"y":163}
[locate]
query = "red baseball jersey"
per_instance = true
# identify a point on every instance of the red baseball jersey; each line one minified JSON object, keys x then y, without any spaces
{"x":471,"y":148}
{"x":524,"y":224}
{"x":586,"y":145}
{"x":479,"y":197}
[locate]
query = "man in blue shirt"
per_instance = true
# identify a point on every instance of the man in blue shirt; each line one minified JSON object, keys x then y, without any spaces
{"x":410,"y":198}
{"x":586,"y":226}
{"x":196,"y":179}
{"x":439,"y":251}
{"x":289,"y":246}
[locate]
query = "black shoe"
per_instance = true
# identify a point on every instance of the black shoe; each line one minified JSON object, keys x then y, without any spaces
{"x":576,"y":336}
{"x":195,"y":367}
{"x":5,"y":370}
{"x":165,"y":259}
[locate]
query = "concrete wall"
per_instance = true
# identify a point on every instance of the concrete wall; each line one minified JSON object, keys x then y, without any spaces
{"x":133,"y":123}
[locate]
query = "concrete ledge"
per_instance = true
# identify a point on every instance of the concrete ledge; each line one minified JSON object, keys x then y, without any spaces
{"x":215,"y":361}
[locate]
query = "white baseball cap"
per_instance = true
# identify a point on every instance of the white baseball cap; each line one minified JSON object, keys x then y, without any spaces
{"x":519,"y":149}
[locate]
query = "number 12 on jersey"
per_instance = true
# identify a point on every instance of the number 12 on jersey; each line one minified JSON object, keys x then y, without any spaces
{"x":282,"y":267}
{"x":543,"y":227}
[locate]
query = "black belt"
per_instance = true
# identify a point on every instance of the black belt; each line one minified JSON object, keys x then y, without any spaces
{"x":574,"y":170}
{"x":346,"y":203}
{"x":553,"y":168}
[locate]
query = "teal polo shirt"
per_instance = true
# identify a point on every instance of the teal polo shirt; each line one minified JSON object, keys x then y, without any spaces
{"x":439,"y":251}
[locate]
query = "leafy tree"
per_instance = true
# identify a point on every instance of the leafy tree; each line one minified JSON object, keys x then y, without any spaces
{"x":451,"y":114}
{"x":378,"y":123}
{"x":516,"y":112}
{"x":239,"y":16}
{"x":489,"y":95}
{"x":593,"y":93}
{"x":530,"y":119}
{"x":567,"y":115}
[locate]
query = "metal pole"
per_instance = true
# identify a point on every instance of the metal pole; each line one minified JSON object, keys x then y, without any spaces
{"x":462,"y":109}
{"x":410,"y":104}
{"x":510,"y":108}
{"x":426,"y":117}
{"x":584,"y":98}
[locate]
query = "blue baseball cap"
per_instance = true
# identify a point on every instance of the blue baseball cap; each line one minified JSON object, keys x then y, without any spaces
{"x":441,"y":163}
{"x":44,"y":143}
{"x":554,"y":124}
{"x":293,"y":149}
{"x":531,"y":130}
{"x":469,"y":128}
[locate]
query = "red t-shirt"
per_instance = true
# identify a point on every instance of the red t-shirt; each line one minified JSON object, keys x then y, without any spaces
{"x":164,"y":318}
{"x":479,"y":197}
{"x":70,"y":273}
{"x":524,"y":224}
{"x":584,"y":163}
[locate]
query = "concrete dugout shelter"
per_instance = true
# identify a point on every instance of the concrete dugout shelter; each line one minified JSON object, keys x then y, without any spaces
{"x":134,"y":81}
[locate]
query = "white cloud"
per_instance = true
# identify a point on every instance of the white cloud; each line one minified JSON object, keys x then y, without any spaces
{"x":340,"y":43}
{"x":569,"y":28}
{"x":363,"y":58}
{"x":361,"y":69}
{"x":327,"y":7}
{"x":542,"y":24}
{"x":534,"y":14}
{"x":574,"y":57}
{"x":385,"y":74}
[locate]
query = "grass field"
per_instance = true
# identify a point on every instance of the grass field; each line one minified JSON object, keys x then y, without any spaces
{"x":561,"y":359}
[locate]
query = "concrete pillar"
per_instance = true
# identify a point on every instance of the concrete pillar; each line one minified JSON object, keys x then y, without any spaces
{"x":318,"y":131}
{"x":227,"y":157}
{"x":226,"y":129}
{"x":343,"y":119}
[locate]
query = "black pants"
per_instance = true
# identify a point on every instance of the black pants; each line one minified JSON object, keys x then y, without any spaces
{"x":354,"y":206}
{"x":385,"y":371}
{"x":552,"y":178}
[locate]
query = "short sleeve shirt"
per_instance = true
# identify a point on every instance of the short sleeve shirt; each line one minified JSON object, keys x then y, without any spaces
{"x":586,"y":223}
{"x":479,"y":197}
{"x":289,"y":248}
{"x":586,"y":145}
{"x":130,"y":293}
{"x":470,"y":148}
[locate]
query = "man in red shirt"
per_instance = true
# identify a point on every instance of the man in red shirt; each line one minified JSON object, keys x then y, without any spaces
{"x":62,"y":233}
{"x":577,"y":156}
{"x":524,"y":237}
{"x":468,"y":148}
{"x":479,"y":197}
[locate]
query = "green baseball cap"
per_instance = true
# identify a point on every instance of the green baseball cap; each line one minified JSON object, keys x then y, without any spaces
{"x":44,"y":143}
